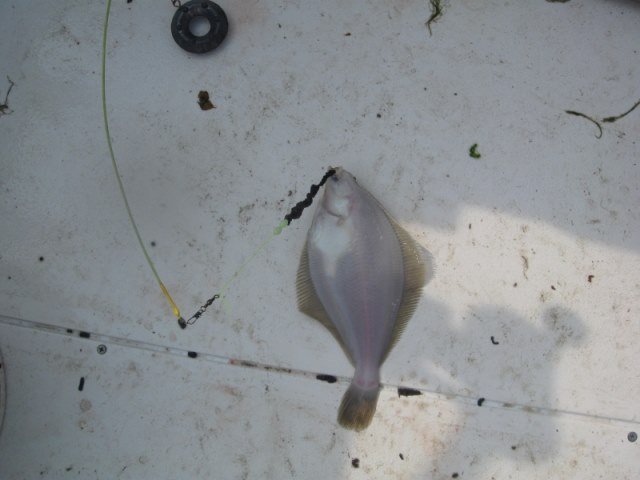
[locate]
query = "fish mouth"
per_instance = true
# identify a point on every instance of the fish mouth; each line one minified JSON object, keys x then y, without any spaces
{"x":337,"y":173}
{"x":340,"y":174}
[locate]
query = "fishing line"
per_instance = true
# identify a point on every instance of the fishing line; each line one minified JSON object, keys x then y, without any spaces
{"x":293,"y":214}
{"x":174,"y":307}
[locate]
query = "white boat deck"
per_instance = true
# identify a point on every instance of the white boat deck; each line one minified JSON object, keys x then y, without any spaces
{"x":524,"y":349}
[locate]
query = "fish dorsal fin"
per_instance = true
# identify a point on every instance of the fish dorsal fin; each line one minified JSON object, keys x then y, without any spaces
{"x":310,"y":304}
{"x":418,"y":270}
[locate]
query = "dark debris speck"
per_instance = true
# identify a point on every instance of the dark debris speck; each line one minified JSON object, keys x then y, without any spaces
{"x":326,"y":378}
{"x":408,"y":392}
{"x":355,"y":463}
{"x":192,"y":354}
{"x":481,"y":401}
{"x":204,"y":101}
{"x":84,"y":334}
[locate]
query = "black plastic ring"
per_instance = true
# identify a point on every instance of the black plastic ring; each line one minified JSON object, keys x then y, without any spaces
{"x":199,"y":8}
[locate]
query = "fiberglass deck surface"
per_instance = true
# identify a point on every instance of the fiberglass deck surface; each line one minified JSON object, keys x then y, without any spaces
{"x":536,"y":243}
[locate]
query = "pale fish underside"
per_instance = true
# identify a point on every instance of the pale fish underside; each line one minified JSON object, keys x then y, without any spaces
{"x":361,"y":275}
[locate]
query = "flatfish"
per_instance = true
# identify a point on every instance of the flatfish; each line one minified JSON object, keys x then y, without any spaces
{"x":361,"y":275}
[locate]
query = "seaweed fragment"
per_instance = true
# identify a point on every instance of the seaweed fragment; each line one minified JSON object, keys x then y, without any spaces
{"x":618,"y":117}
{"x":4,"y":107}
{"x":436,"y":12}
{"x":611,"y":119}
{"x":579,"y":114}
{"x":473,"y":151}
{"x":525,"y":267}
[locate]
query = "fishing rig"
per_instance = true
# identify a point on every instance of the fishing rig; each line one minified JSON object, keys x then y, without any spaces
{"x":294,"y":214}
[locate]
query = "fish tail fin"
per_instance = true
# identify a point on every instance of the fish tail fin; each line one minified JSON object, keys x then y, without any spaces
{"x":357,"y":407}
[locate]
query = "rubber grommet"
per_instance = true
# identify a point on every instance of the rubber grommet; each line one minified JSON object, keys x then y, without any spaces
{"x":208,"y":10}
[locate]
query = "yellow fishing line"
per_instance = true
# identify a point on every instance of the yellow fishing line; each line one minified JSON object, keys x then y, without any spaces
{"x":174,"y":307}
{"x":265,"y":243}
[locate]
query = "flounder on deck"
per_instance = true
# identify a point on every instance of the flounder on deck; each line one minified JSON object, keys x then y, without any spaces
{"x":361,"y":275}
